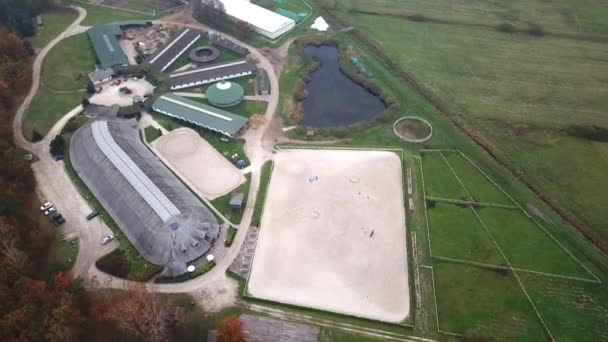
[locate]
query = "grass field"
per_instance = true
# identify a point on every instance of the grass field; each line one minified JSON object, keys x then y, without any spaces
{"x":62,"y":255}
{"x":223,"y":203}
{"x":54,"y":23}
{"x":477,"y":302}
{"x":152,"y":133}
{"x":478,"y":186}
{"x":439,"y":180}
{"x":506,"y":83}
{"x":101,"y":15}
{"x":456,"y":233}
{"x":261,"y":196}
{"x":585,"y":306}
{"x":148,"y":6}
{"x":526,"y":246}
{"x":62,"y":85}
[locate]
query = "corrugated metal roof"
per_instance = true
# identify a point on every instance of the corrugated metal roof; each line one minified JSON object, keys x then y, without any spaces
{"x":174,"y":48}
{"x":105,"y":43}
{"x":212,"y":73}
{"x":199,"y":114}
{"x":107,"y":48}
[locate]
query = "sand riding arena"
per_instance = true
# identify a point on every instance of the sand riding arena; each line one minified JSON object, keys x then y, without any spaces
{"x":333,"y":234}
{"x":203,"y":166}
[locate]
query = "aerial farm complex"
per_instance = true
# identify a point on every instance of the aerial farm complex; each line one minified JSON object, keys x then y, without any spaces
{"x":304,"y":166}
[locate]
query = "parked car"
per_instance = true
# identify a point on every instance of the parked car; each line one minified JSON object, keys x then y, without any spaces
{"x":49,"y":211}
{"x":106,"y":239}
{"x":92,"y":215}
{"x":57,"y":220}
{"x":59,"y":157}
{"x":46,"y":205}
{"x":117,"y":82}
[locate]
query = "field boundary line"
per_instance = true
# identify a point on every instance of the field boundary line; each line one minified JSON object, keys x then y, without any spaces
{"x":114,"y":7}
{"x":492,"y":266}
{"x":521,"y":284}
{"x":429,"y":267}
{"x":481,"y":204}
{"x":416,"y":271}
{"x":533,"y":220}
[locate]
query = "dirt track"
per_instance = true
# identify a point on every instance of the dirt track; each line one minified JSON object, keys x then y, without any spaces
{"x":204,"y":167}
{"x":333,"y":234}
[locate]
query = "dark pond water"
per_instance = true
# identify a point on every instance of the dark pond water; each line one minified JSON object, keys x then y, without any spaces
{"x":334,"y":99}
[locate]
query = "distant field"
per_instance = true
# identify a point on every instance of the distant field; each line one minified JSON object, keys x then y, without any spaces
{"x":149,"y":6}
{"x":101,"y":15}
{"x":519,"y":90}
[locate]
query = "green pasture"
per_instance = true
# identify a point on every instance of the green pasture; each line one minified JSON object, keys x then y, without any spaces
{"x":574,"y":311}
{"x":569,"y":170}
{"x":476,"y":183}
{"x":102,"y":15}
{"x":261,"y":196}
{"x":439,"y":180}
{"x":456,"y":233}
{"x":152,"y":133}
{"x":526,"y":245}
{"x":54,"y":23}
{"x":62,"y":84}
{"x":483,"y":304}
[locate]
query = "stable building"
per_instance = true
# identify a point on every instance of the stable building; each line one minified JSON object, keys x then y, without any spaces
{"x":105,"y":42}
{"x":169,"y":53}
{"x":265,"y":22}
{"x":200,"y":114}
{"x":212,"y":73}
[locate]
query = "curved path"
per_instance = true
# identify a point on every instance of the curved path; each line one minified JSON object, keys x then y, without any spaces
{"x":214,"y":290}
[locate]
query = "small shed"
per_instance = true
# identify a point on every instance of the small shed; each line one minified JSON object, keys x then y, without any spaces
{"x":236,"y":200}
{"x":101,"y":75}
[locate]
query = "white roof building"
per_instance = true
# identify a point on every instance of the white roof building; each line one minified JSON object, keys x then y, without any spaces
{"x":262,"y":21}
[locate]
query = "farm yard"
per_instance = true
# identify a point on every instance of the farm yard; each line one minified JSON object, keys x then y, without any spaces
{"x":524,"y":74}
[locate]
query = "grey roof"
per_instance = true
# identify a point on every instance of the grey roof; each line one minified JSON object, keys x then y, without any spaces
{"x":101,"y":74}
{"x":236,"y":199}
{"x":199,"y":114}
{"x":212,"y":73}
{"x":261,"y":329}
{"x":157,"y":213}
{"x":222,"y":42}
{"x":171,"y":51}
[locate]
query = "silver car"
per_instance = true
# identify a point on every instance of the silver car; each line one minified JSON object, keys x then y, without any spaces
{"x":106,"y":239}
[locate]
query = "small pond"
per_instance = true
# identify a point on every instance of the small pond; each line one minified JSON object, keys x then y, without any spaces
{"x":334,"y":99}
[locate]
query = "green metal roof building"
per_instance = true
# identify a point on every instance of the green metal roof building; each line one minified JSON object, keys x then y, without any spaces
{"x":200,"y":114}
{"x":105,"y":42}
{"x":225,"y":94}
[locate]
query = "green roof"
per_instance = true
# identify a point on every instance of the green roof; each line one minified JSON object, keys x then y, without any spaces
{"x":225,"y":94}
{"x":199,"y":114}
{"x":107,"y":48}
{"x":289,"y":14}
{"x":105,"y":43}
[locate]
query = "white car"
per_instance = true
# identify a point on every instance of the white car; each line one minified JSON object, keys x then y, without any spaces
{"x":106,"y":239}
{"x":49,"y":211}
{"x":46,"y":205}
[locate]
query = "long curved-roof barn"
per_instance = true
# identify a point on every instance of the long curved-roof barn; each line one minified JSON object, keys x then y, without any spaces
{"x":157,"y":213}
